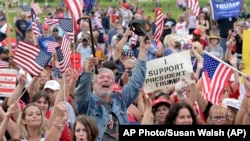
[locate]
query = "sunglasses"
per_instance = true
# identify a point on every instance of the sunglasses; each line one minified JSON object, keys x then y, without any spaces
{"x":55,"y":30}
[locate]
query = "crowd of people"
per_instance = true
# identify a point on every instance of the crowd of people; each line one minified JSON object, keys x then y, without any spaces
{"x":99,"y":92}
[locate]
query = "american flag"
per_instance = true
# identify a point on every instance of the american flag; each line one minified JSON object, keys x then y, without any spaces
{"x":98,"y":22}
{"x":89,"y":4}
{"x":133,"y":39}
{"x":194,"y":6}
{"x":30,"y":58}
{"x":52,"y":46}
{"x":36,"y":8}
{"x":159,"y":23}
{"x":75,"y":11}
{"x":4,"y":64}
{"x":63,"y":54}
{"x":35,"y":28}
{"x":65,"y":23}
{"x":215,"y":76}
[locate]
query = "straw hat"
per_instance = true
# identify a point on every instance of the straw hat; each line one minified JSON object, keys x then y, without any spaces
{"x":214,"y":36}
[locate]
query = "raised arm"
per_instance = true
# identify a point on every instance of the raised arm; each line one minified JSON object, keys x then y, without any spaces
{"x":18,"y":90}
{"x":59,"y":123}
{"x":132,"y":88}
{"x":119,"y":46}
{"x":9,"y":124}
{"x":83,"y":90}
{"x":243,"y":115}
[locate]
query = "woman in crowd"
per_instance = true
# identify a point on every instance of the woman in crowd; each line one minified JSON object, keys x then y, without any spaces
{"x":84,"y":129}
{"x":31,"y":123}
{"x":181,"y":114}
{"x":218,"y":115}
{"x":214,"y":48}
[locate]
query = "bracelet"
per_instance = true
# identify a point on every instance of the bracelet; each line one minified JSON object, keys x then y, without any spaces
{"x":57,"y":124}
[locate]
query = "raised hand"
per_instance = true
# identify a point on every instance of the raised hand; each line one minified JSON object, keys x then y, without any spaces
{"x":12,"y":109}
{"x":90,"y":63}
{"x":22,"y":79}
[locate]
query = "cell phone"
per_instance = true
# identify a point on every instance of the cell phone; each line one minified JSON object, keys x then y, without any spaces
{"x":187,"y":46}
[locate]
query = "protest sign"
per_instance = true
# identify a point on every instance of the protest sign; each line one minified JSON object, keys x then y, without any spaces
{"x":246,"y":51}
{"x":7,"y":81}
{"x":167,"y":71}
{"x":222,"y":9}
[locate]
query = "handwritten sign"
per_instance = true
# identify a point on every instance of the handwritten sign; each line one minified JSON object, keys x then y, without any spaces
{"x":7,"y":81}
{"x":167,"y":71}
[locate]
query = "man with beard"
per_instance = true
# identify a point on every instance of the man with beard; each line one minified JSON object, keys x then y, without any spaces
{"x":108,"y":108}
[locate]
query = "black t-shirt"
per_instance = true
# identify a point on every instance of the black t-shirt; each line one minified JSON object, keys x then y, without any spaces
{"x":168,"y":22}
{"x":225,"y":25}
{"x":112,"y":131}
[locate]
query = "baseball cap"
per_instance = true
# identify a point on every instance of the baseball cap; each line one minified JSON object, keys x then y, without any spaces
{"x":4,"y":49}
{"x":75,"y":60}
{"x":128,"y":52}
{"x":46,"y":27}
{"x":110,"y":65}
{"x":159,"y":101}
{"x":52,"y":84}
{"x":29,"y":28}
{"x":232,"y":103}
{"x":197,"y":32}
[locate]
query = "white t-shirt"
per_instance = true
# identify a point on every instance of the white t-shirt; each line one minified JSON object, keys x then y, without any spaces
{"x":181,"y":29}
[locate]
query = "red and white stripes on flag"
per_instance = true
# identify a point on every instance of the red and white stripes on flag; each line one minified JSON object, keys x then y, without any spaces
{"x":215,"y":76}
{"x":4,"y":64}
{"x":63,"y":54}
{"x":30,"y":58}
{"x":133,"y":39}
{"x":52,"y":46}
{"x":35,"y":29}
{"x":75,"y":11}
{"x":194,"y":6}
{"x":51,"y":21}
{"x":98,"y":22}
{"x":159,"y":23}
{"x":37,"y":9}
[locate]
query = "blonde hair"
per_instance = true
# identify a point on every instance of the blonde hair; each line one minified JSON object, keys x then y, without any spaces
{"x":130,"y":61}
{"x":216,"y":109}
{"x":24,"y":132}
{"x":167,"y":39}
{"x":198,"y":46}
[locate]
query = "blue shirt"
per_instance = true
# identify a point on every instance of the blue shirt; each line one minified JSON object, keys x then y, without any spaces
{"x":43,"y":43}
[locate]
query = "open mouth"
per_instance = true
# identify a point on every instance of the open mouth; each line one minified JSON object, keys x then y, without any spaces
{"x":105,"y":85}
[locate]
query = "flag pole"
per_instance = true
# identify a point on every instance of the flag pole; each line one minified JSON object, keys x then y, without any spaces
{"x":85,"y":16}
{"x":64,"y":87}
{"x":8,"y":27}
{"x":221,"y":61}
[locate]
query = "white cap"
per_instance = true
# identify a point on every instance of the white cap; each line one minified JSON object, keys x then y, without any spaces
{"x":52,"y":84}
{"x":231,"y":102}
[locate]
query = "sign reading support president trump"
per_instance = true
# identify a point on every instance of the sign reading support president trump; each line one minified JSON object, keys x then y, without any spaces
{"x":222,"y":9}
{"x":167,"y":71}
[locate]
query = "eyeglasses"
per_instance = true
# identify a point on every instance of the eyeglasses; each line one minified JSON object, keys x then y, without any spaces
{"x":221,"y":118}
{"x":55,"y":30}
